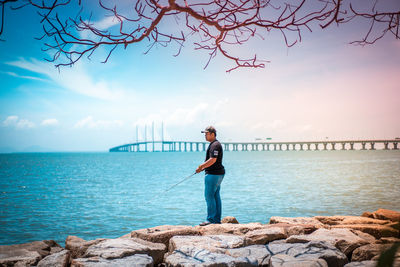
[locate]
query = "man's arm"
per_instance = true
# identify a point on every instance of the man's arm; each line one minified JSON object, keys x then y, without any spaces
{"x":206,"y":164}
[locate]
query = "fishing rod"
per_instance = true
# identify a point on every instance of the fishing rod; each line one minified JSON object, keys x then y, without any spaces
{"x":165,"y":191}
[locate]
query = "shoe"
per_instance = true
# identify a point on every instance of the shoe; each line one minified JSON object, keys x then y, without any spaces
{"x":205,"y":223}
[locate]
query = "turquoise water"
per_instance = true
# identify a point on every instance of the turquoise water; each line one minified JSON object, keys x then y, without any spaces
{"x":93,"y":195}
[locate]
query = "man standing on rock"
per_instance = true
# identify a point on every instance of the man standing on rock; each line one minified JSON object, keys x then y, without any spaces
{"x":214,"y":173}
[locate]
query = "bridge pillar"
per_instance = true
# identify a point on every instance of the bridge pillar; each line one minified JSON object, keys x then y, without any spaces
{"x":316,"y":146}
{"x":363,"y":145}
{"x":301,"y":146}
{"x":267,"y":147}
{"x":325,"y":146}
{"x":351,"y":146}
{"x":395,"y":146}
{"x":191,"y":146}
{"x":274,"y":147}
{"x":372,"y":146}
{"x":333,"y":146}
{"x":280,"y":146}
{"x":308,"y":146}
{"x":386,"y":145}
{"x":344,"y":146}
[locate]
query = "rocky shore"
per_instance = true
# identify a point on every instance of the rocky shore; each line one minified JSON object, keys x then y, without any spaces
{"x":303,"y":241}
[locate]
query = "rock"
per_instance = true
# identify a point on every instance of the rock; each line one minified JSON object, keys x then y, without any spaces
{"x":297,"y":220}
{"x":163,"y":233}
{"x":375,"y":230}
{"x":362,"y":264}
{"x":346,"y":220}
{"x":255,"y":253}
{"x":78,"y":246}
{"x":213,"y":243}
{"x":123,"y":247}
{"x":367,"y":214}
{"x":388,"y":240}
{"x":300,"y":229}
{"x":27,"y":253}
{"x":344,"y":239}
{"x":283,"y":260}
{"x":137,"y":260}
{"x":228,"y":228}
{"x":309,"y":251}
{"x":368,"y":252}
{"x":229,"y":219}
{"x":18,"y":257}
{"x":193,"y":256}
{"x":367,"y":237}
{"x":59,"y":259}
{"x":385,"y":214}
{"x":265,"y":235}
{"x":128,"y":235}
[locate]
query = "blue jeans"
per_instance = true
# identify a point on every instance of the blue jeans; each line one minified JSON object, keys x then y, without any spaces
{"x":212,"y":187}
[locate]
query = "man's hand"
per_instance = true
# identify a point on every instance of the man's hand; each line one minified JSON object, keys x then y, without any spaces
{"x":199,"y":169}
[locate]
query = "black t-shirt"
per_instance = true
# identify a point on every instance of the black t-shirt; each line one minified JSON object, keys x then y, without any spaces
{"x":214,"y":150}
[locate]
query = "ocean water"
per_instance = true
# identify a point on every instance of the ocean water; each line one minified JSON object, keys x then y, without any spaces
{"x":93,"y":195}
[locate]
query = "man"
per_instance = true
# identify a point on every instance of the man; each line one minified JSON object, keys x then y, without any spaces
{"x":214,"y":173}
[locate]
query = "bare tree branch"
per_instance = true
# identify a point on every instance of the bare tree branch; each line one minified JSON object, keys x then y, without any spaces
{"x":216,"y":26}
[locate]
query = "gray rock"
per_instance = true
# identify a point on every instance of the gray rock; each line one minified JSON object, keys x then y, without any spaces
{"x":255,"y":253}
{"x":122,"y":247}
{"x":59,"y":259}
{"x":26,"y":254}
{"x":265,"y":235}
{"x":163,"y":233}
{"x":311,"y":250}
{"x":138,"y":260}
{"x":362,"y":264}
{"x":213,"y":243}
{"x":21,"y":257}
{"x":284,"y":260}
{"x":193,"y":256}
{"x":78,"y":246}
{"x":343,"y":239}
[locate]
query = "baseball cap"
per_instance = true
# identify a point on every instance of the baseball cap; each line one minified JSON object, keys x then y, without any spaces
{"x":209,"y":129}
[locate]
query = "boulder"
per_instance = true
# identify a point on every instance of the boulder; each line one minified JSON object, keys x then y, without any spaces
{"x":199,"y":257}
{"x":18,"y":257}
{"x":59,"y":259}
{"x":265,"y":235}
{"x":388,"y":240}
{"x":212,"y":243}
{"x":256,"y":254}
{"x":229,"y":219}
{"x":26,"y":254}
{"x":344,"y":239}
{"x":228,"y":228}
{"x":123,"y":247}
{"x":362,"y":264}
{"x":78,"y":246}
{"x":375,"y":230}
{"x":368,"y":252}
{"x":309,"y":251}
{"x":163,"y":233}
{"x":346,"y":220}
{"x":284,"y":260}
{"x":137,"y":260}
{"x":297,"y":221}
{"x":300,"y":229}
{"x":385,"y":214}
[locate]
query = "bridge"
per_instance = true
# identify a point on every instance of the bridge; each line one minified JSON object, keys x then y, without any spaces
{"x":184,"y":146}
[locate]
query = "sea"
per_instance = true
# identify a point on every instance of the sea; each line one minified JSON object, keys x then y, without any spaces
{"x":107,"y":195}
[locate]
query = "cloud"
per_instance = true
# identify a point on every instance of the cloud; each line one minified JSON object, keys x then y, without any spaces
{"x":15,"y":121}
{"x":89,"y":122}
{"x":24,"y":76}
{"x":49,"y":122}
{"x":75,"y":79}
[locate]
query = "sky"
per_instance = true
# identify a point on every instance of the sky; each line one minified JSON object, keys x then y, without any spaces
{"x":320,"y":88}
